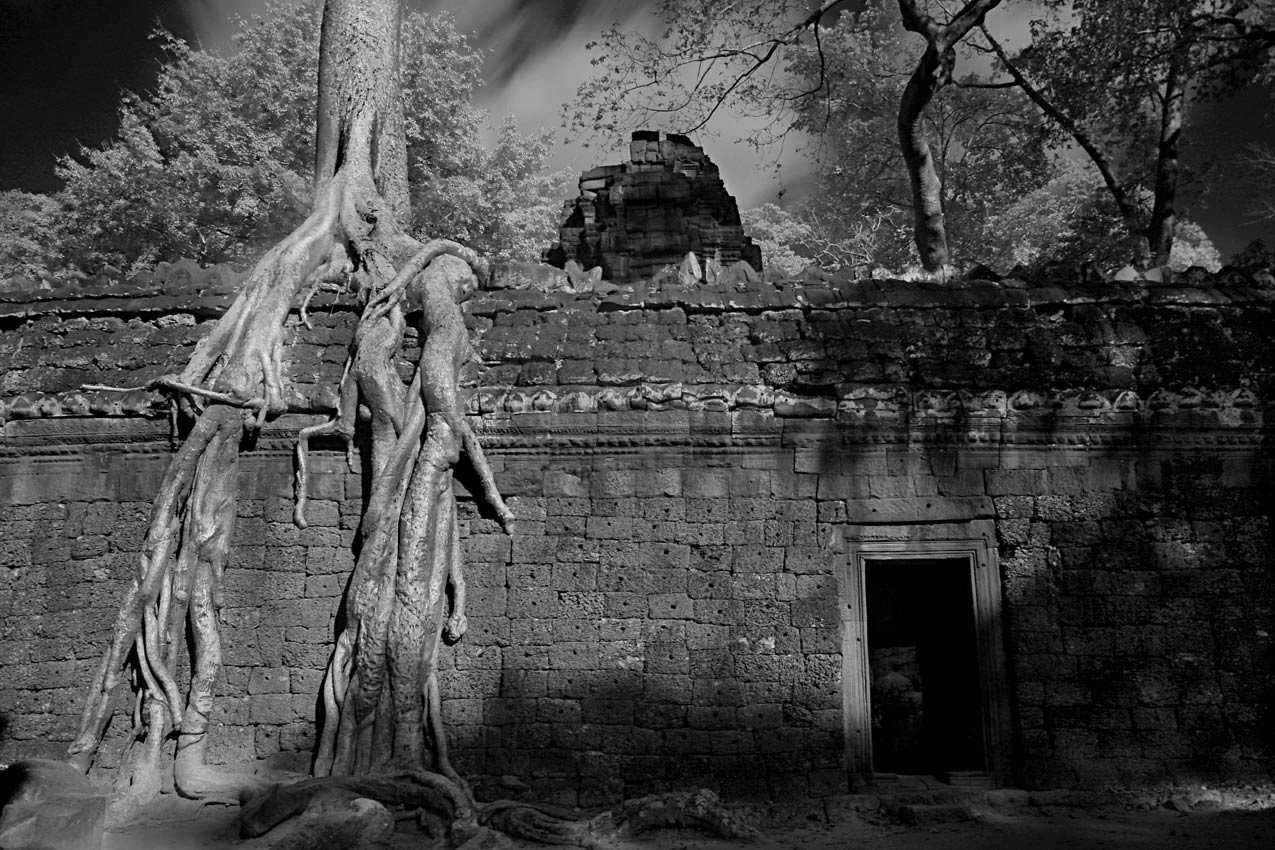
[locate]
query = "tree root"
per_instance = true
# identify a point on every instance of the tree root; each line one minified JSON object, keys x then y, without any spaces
{"x":440,"y":800}
{"x":407,"y":593}
{"x":335,"y":819}
{"x":699,"y":810}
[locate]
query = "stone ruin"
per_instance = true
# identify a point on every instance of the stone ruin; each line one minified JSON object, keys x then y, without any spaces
{"x":638,"y":217}
{"x":744,"y":519}
{"x":775,"y":538}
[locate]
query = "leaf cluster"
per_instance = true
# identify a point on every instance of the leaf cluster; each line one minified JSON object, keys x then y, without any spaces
{"x":701,"y":57}
{"x":988,"y":144}
{"x":1105,"y":64}
{"x":1072,"y":219}
{"x":215,"y":162}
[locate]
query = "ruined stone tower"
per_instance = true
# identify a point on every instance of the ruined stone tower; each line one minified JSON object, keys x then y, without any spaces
{"x":634,"y":218}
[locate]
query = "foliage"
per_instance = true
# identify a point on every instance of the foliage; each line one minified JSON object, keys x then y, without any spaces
{"x":707,"y":55}
{"x":987,"y":143}
{"x":1072,"y":219}
{"x":781,"y":236}
{"x":1259,"y":165}
{"x":511,"y":209}
{"x":215,"y":163}
{"x":1128,"y":49}
{"x":792,"y":240}
{"x":1118,"y":77}
{"x":1192,"y":247}
{"x":1255,"y":255}
{"x":26,"y":222}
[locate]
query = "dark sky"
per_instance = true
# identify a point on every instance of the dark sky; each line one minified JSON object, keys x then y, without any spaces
{"x":63,"y":64}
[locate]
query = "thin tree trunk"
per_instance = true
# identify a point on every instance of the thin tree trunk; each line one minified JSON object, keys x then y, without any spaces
{"x":1106,"y":169}
{"x":929,"y":225}
{"x":933,"y":72}
{"x":1168,"y":168}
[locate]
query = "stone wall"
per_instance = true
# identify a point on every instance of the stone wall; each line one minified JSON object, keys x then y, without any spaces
{"x":691,"y":470}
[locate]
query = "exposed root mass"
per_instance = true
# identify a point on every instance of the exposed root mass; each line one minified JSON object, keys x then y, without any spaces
{"x":383,"y":736}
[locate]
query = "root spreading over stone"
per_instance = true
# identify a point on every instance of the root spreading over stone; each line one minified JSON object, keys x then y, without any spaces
{"x":383,"y":738}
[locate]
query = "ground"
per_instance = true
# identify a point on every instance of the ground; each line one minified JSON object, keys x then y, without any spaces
{"x":1146,"y":823}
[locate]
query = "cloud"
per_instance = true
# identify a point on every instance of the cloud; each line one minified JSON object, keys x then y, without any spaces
{"x":213,"y":21}
{"x":517,"y":34}
{"x":535,"y":60}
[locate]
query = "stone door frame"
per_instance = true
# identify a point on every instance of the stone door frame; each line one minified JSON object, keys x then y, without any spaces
{"x":974,"y":544}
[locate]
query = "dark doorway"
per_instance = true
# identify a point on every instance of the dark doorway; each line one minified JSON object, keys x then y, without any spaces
{"x":923,"y":660}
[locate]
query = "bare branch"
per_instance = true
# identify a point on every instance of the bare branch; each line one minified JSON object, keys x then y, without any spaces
{"x":1127,"y":210}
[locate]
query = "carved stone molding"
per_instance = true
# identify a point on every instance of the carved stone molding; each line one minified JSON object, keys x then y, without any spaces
{"x":1230,"y":407}
{"x":549,"y":433}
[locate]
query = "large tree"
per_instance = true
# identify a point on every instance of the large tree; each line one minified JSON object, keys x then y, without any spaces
{"x":383,"y":734}
{"x":1117,"y":79}
{"x":381,"y":688}
{"x":987,"y":145}
{"x":709,"y":55}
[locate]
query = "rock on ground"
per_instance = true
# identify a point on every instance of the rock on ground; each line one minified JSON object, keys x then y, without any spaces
{"x":49,"y":805}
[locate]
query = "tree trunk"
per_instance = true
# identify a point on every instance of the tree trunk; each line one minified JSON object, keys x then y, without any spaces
{"x":929,"y":224}
{"x":360,"y":112}
{"x":1163,"y":220}
{"x":932,"y":73}
{"x":411,"y":555}
{"x":1106,"y":169}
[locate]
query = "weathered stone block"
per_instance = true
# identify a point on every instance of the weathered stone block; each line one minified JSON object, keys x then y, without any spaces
{"x":670,"y":606}
{"x":715,"y":717}
{"x":667,"y":657}
{"x":576,"y":655}
{"x":268,"y":680}
{"x":607,"y":712}
{"x":532,"y":602}
{"x":48,"y":805}
{"x":623,"y":605}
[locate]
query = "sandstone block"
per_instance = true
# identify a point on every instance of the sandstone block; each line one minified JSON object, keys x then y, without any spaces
{"x":48,"y":805}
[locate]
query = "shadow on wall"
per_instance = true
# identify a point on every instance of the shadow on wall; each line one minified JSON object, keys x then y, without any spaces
{"x":605,"y":735}
{"x":1135,"y":628}
{"x":1139,"y":599}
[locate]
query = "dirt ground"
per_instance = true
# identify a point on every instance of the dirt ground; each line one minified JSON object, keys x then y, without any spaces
{"x":182,"y":825}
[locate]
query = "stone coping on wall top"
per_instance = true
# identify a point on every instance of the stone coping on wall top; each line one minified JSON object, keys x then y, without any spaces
{"x":898,"y":294}
{"x":206,"y":293}
{"x":1236,"y":408}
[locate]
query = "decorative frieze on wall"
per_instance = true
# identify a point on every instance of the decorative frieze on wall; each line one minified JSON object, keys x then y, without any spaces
{"x":808,"y":348}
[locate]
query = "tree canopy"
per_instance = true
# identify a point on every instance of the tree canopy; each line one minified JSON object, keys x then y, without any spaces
{"x":987,"y":144}
{"x":928,"y":132}
{"x":711,"y":55}
{"x":215,"y":162}
{"x":1117,"y":79}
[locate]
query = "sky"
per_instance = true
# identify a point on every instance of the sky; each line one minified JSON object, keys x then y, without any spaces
{"x":64,"y":63}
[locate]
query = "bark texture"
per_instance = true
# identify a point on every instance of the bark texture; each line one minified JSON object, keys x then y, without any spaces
{"x":1163,"y":222}
{"x":233,"y":382}
{"x":383,"y":735}
{"x":933,"y":72}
